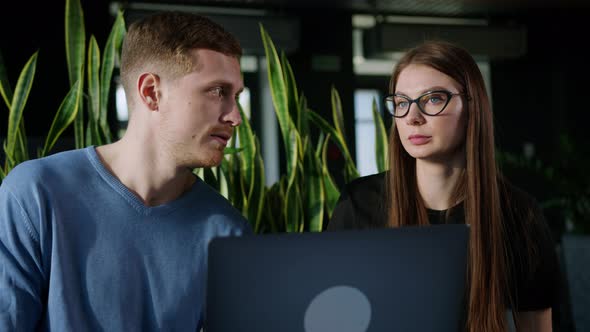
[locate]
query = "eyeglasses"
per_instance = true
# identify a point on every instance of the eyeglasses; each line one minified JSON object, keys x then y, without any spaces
{"x":431,"y":103}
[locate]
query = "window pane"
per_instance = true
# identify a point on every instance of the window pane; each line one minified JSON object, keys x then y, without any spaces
{"x":365,"y":130}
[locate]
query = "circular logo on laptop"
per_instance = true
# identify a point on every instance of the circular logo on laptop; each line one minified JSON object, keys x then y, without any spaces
{"x":338,"y":308}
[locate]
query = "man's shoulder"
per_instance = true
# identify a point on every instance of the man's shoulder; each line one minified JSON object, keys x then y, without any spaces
{"x":51,"y":161}
{"x":45,"y":169}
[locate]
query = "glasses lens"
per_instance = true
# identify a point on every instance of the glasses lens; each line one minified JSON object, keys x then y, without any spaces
{"x":401,"y":105}
{"x":434,"y":103}
{"x":389,"y":106}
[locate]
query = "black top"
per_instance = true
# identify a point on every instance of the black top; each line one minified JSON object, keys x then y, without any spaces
{"x":535,"y":280}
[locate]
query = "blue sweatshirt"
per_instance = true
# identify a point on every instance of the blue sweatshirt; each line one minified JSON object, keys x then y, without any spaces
{"x":80,"y":252}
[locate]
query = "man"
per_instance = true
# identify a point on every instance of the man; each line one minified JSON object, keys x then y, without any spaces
{"x":114,"y":238}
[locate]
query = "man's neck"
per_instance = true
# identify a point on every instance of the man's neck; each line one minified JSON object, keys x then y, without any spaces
{"x":153,"y":177}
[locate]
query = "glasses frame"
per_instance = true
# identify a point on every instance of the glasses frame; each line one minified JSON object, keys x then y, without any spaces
{"x":389,"y":98}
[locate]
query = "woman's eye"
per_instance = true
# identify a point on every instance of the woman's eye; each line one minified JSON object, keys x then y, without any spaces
{"x":436,"y":98}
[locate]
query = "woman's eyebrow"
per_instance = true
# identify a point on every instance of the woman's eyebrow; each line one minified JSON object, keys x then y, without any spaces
{"x":426,"y":90}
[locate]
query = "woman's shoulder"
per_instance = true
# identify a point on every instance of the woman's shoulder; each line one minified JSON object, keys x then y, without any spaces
{"x":368,"y":184}
{"x":361,"y":204}
{"x":535,"y":271}
{"x":522,"y":212}
{"x":516,"y":196}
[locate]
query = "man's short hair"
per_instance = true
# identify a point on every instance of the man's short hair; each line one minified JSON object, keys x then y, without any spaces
{"x":162,"y":42}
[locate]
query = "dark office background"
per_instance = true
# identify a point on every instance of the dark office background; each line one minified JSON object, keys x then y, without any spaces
{"x":537,"y":96}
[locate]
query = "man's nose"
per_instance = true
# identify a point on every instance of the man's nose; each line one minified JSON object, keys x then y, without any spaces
{"x":233,"y":117}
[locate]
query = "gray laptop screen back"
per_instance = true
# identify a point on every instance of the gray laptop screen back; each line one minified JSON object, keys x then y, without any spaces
{"x":403,"y":279}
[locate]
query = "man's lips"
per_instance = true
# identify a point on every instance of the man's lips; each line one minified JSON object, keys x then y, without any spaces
{"x":222,"y":137}
{"x":419,"y":139}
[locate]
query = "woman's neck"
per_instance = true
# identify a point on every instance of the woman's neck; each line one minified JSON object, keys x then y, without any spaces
{"x":437,"y":183}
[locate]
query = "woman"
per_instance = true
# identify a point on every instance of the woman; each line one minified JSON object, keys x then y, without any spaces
{"x":441,"y":157}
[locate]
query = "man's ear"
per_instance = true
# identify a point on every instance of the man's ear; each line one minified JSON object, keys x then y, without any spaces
{"x":148,"y":87}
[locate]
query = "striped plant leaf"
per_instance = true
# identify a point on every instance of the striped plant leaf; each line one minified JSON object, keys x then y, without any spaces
{"x":257,"y":196}
{"x":75,"y":40}
{"x":75,"y":33}
{"x":93,"y":134}
{"x":314,"y":191}
{"x":19,"y":99}
{"x":273,"y":214}
{"x":247,"y":155}
{"x":303,"y":118}
{"x":338,"y":139}
{"x":64,"y":117}
{"x":337,"y":114}
{"x":279,"y":93}
{"x":92,"y":70}
{"x":292,"y":209}
{"x":112,"y":50}
{"x":5,"y":89}
{"x":293,"y":157}
{"x":21,"y":150}
{"x":292,"y":97}
{"x":381,"y":142}
{"x":331,"y":189}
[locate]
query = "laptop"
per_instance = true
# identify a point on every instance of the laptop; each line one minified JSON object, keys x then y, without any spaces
{"x":402,"y":279}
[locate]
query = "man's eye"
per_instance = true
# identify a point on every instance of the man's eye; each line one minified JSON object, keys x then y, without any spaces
{"x":218,"y":92}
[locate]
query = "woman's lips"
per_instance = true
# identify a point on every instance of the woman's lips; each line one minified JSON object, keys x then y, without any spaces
{"x":419,"y":139}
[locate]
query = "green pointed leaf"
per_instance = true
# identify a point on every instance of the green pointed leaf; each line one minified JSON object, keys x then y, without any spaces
{"x":331,"y":190}
{"x":199,"y":172}
{"x":21,"y":150}
{"x":232,"y":169}
{"x":337,"y":113}
{"x":273,"y":214}
{"x":9,"y":162}
{"x":293,"y":157}
{"x":314,"y":192}
{"x":75,"y":36}
{"x":64,"y":117}
{"x":2,"y":175}
{"x":112,"y":51}
{"x":210,"y":177}
{"x":93,"y":79}
{"x":279,"y":92}
{"x":303,"y":118}
{"x":381,"y":142}
{"x":258,"y":191}
{"x":5,"y":89}
{"x":338,"y":139}
{"x":223,"y":184}
{"x":75,"y":40}
{"x":292,"y":209}
{"x":79,"y":127}
{"x":291,"y":86}
{"x":19,"y":100}
{"x":247,"y":156}
{"x":232,"y":150}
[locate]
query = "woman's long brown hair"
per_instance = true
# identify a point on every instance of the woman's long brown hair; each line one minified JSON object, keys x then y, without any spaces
{"x":487,"y":273}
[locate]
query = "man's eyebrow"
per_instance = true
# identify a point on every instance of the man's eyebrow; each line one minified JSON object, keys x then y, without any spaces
{"x":225,"y":84}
